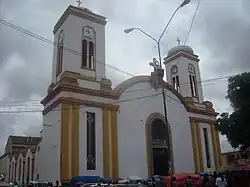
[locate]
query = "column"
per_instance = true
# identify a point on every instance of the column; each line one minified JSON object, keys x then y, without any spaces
{"x":105,"y":142}
{"x":219,"y":149}
{"x":75,"y":140}
{"x":64,"y":160}
{"x":114,"y":132}
{"x":110,"y":143}
{"x":195,"y":146}
{"x":215,"y":147}
{"x":199,"y":146}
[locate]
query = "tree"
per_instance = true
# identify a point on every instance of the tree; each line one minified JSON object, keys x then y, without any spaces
{"x":236,"y":126}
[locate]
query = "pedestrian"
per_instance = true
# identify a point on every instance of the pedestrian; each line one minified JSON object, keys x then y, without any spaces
{"x":189,"y":182}
{"x":174,"y":181}
{"x":57,"y":184}
{"x":220,"y":181}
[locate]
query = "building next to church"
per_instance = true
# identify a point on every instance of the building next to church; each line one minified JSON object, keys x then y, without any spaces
{"x":91,"y":128}
{"x":19,"y":161}
{"x":235,"y":158}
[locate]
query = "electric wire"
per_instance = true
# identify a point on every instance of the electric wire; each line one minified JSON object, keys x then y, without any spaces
{"x":210,"y":81}
{"x":192,"y":22}
{"x":36,"y":36}
{"x":58,"y":108}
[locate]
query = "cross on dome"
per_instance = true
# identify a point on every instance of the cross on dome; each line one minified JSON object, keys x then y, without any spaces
{"x":79,"y":3}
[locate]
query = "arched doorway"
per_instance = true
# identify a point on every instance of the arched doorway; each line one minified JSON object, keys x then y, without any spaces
{"x":157,"y":146}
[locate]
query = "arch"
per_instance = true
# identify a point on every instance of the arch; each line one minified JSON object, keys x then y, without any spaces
{"x":144,"y":78}
{"x":193,"y":80}
{"x":91,"y":55}
{"x":88,"y":47}
{"x":91,"y":31}
{"x":175,"y":77}
{"x":84,"y":52}
{"x":148,"y":123}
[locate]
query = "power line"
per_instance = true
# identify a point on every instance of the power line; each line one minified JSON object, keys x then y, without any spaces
{"x":116,"y":102}
{"x":58,"y":109}
{"x":36,"y":36}
{"x":191,"y":25}
{"x":127,"y":91}
{"x":6,"y":104}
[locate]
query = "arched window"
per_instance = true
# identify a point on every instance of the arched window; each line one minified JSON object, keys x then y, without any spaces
{"x":175,"y":78}
{"x":59,"y":53}
{"x":88,"y":48}
{"x":20,"y":167}
{"x":84,"y":53}
{"x":91,"y":55}
{"x":192,"y":80}
{"x":28,"y":169}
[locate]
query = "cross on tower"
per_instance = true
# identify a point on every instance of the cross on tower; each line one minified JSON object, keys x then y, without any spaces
{"x":179,"y":41}
{"x":79,"y":3}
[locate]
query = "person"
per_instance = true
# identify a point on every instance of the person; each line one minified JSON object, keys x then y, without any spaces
{"x":212,"y":179}
{"x":220,"y":181}
{"x":57,"y":184}
{"x":206,"y":181}
{"x":189,"y":182}
{"x":174,"y":181}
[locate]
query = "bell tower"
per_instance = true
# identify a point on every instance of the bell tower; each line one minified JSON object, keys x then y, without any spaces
{"x":183,"y":72}
{"x":79,"y":37}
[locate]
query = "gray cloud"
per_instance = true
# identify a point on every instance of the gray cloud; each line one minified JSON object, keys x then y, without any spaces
{"x":219,"y":37}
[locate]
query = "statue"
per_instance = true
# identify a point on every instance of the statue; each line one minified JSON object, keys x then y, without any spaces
{"x":155,"y":64}
{"x":157,"y":75}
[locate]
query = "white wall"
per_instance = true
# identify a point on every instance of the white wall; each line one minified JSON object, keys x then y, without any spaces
{"x":49,"y":156}
{"x":73,"y":40}
{"x":4,"y":167}
{"x":207,"y":126}
{"x":29,"y":155}
{"x":182,"y":64}
{"x":19,"y":169}
{"x":83,"y":141}
{"x":131,"y":130}
{"x":37,"y":156}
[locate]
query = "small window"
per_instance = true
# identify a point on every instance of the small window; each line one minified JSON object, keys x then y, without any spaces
{"x":206,"y":141}
{"x":88,"y":48}
{"x":84,"y":53}
{"x":192,"y":80}
{"x":91,"y":55}
{"x":91,"y":141}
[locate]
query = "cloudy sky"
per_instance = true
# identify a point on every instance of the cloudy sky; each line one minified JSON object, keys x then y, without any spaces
{"x":220,"y":36}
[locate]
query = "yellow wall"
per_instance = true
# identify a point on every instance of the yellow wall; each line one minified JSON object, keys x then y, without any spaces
{"x":64,"y":163}
{"x":110,"y":143}
{"x":70,"y":142}
{"x":197,"y":146}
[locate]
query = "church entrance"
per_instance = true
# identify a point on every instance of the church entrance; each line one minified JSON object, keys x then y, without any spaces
{"x":159,"y":148}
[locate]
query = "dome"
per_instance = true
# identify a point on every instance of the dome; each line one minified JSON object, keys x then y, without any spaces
{"x":86,"y":9}
{"x":179,"y":48}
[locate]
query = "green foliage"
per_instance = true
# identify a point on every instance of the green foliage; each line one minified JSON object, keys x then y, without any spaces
{"x":236,"y":126}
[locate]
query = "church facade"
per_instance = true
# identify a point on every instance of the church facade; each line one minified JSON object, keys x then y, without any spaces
{"x":91,"y":128}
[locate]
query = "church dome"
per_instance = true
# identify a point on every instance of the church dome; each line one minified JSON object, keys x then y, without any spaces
{"x":86,"y":9}
{"x":183,"y":48}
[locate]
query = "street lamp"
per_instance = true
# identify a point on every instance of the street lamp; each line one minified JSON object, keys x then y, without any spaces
{"x":184,"y":3}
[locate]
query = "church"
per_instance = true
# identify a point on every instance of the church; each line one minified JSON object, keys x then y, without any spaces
{"x":91,"y":128}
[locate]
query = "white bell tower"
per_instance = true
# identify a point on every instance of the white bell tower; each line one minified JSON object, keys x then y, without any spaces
{"x":79,"y":37}
{"x":183,"y":72}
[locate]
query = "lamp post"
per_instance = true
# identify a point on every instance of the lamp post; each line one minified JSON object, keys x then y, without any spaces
{"x":185,"y":2}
